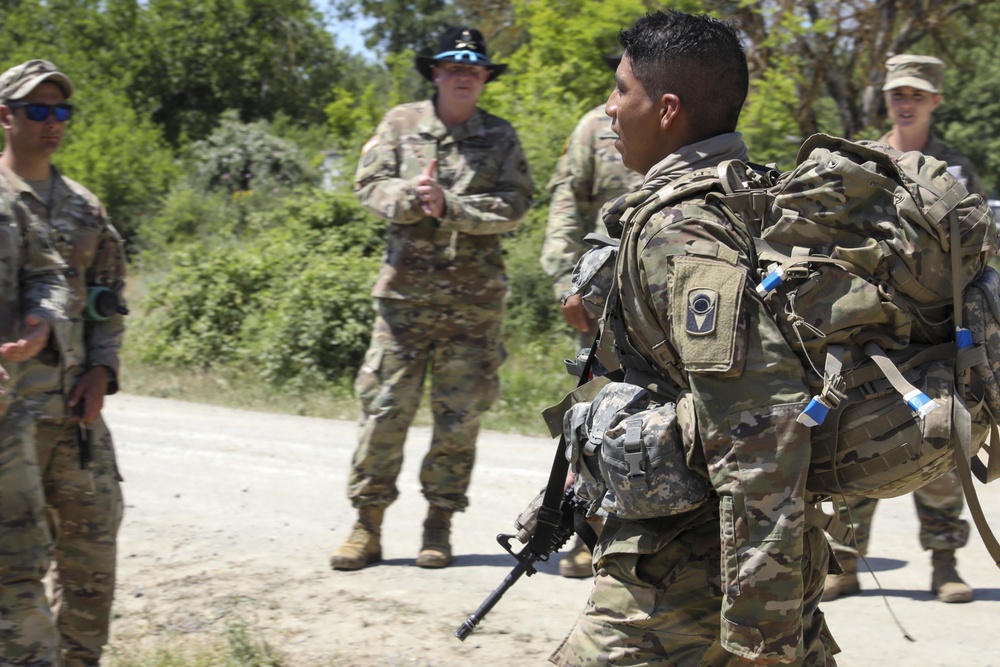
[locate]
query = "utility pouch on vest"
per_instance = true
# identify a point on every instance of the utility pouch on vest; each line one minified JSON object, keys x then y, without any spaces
{"x":593,"y":274}
{"x":642,"y":461}
{"x":588,"y":484}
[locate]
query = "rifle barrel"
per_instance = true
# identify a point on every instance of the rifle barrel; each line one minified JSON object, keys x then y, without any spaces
{"x":466,"y":628}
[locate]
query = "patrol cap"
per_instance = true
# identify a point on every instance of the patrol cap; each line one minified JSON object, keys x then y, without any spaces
{"x":21,"y":79}
{"x":460,"y":45}
{"x":921,"y":72}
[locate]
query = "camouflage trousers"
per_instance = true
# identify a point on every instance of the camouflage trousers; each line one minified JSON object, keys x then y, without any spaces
{"x":460,"y":346}
{"x":85,"y":510}
{"x":939,"y":506}
{"x":664,"y":608}
{"x":28,"y":636}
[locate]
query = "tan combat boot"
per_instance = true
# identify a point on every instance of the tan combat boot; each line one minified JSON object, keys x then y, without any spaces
{"x":578,"y":562}
{"x":842,"y":585}
{"x":436,"y":550}
{"x":362,"y":546}
{"x":945,"y":580}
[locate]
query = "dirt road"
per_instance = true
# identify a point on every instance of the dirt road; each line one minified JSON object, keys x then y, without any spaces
{"x":231,"y":515}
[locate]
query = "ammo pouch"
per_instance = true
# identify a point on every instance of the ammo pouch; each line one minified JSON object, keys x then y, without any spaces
{"x":593,"y":274}
{"x":629,"y":456}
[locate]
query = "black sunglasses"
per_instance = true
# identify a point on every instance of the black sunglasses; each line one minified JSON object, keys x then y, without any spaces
{"x":39,"y":112}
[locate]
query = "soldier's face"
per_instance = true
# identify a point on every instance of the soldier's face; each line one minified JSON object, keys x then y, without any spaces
{"x":31,"y":138}
{"x":911,"y":107}
{"x":635,"y":118}
{"x":460,"y":83}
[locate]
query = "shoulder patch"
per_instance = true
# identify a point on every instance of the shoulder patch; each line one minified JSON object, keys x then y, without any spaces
{"x":706,"y":298}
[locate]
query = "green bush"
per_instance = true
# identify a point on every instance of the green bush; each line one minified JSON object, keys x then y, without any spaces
{"x":292,"y":300}
{"x":532,"y":311}
{"x":239,"y":157}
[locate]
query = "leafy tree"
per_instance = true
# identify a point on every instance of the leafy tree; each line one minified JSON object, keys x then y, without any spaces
{"x":292,"y":302}
{"x":400,"y":25}
{"x":198,"y":58}
{"x":835,"y":50}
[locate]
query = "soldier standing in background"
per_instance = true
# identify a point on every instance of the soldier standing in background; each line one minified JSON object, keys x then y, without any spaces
{"x":589,"y":173}
{"x":912,"y":93}
{"x":75,"y":452}
{"x":33,"y":292}
{"x":450,"y":178}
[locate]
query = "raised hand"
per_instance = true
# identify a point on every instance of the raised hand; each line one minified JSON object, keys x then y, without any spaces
{"x":429,"y":191}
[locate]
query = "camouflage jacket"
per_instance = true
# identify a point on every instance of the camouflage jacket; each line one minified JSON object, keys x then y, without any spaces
{"x":94,"y":255}
{"x":588,"y":174}
{"x":488,"y":188}
{"x":692,"y":271}
{"x":31,"y":283}
{"x":940,"y":150}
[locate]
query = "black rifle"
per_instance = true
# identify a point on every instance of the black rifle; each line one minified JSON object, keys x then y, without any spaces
{"x":559,"y":513}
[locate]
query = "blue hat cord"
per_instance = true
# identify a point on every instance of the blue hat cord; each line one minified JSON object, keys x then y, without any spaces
{"x":471,"y":56}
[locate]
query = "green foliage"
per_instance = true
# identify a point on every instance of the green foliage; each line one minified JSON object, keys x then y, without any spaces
{"x":186,"y":215}
{"x":202,"y":57}
{"x":558,"y":73}
{"x":248,"y":649}
{"x":239,"y":157}
{"x":531,"y":310}
{"x":769,"y":123}
{"x":400,"y":25}
{"x":292,"y":300}
{"x":968,"y":117}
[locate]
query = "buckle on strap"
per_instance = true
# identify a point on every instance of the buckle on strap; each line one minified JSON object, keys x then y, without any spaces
{"x":633,"y":451}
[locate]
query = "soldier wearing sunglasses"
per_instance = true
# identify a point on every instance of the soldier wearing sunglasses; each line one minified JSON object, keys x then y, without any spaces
{"x":74,"y":448}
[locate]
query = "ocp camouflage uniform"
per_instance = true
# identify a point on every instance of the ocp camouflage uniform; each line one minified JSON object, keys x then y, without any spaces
{"x":439,"y":296}
{"x":588,"y":174}
{"x":939,"y":504}
{"x":31,"y":283}
{"x":86,"y":505}
{"x":660,"y":596}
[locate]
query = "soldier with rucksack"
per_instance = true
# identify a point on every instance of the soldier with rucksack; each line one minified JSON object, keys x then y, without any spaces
{"x":912,"y":93}
{"x":705,"y":560}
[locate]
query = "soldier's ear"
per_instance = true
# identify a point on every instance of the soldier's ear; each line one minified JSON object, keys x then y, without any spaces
{"x":6,"y":119}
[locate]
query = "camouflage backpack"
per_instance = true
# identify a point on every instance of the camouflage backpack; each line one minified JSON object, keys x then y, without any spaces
{"x":874,"y":263}
{"x":897,"y":327}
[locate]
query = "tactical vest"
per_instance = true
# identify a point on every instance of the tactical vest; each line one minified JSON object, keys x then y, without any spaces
{"x":650,"y":360}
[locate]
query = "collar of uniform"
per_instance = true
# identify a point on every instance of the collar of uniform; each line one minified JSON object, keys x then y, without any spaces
{"x":707,"y":153}
{"x":431,"y":125}
{"x":19,"y":186}
{"x":933,"y":143}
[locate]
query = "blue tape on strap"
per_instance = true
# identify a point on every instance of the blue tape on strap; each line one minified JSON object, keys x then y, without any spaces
{"x":920,"y":403}
{"x":814,"y":413}
{"x":964,"y":338}
{"x":771,"y":281}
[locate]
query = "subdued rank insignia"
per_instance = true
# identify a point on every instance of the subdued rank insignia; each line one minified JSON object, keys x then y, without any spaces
{"x":701,"y":311}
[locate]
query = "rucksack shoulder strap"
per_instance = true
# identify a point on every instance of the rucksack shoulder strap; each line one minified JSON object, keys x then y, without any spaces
{"x":972,"y":502}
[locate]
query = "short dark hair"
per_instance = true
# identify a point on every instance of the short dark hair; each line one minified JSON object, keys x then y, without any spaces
{"x":696,"y":57}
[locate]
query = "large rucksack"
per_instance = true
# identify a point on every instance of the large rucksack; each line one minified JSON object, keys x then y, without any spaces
{"x":875,"y":265}
{"x":898,"y":326}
